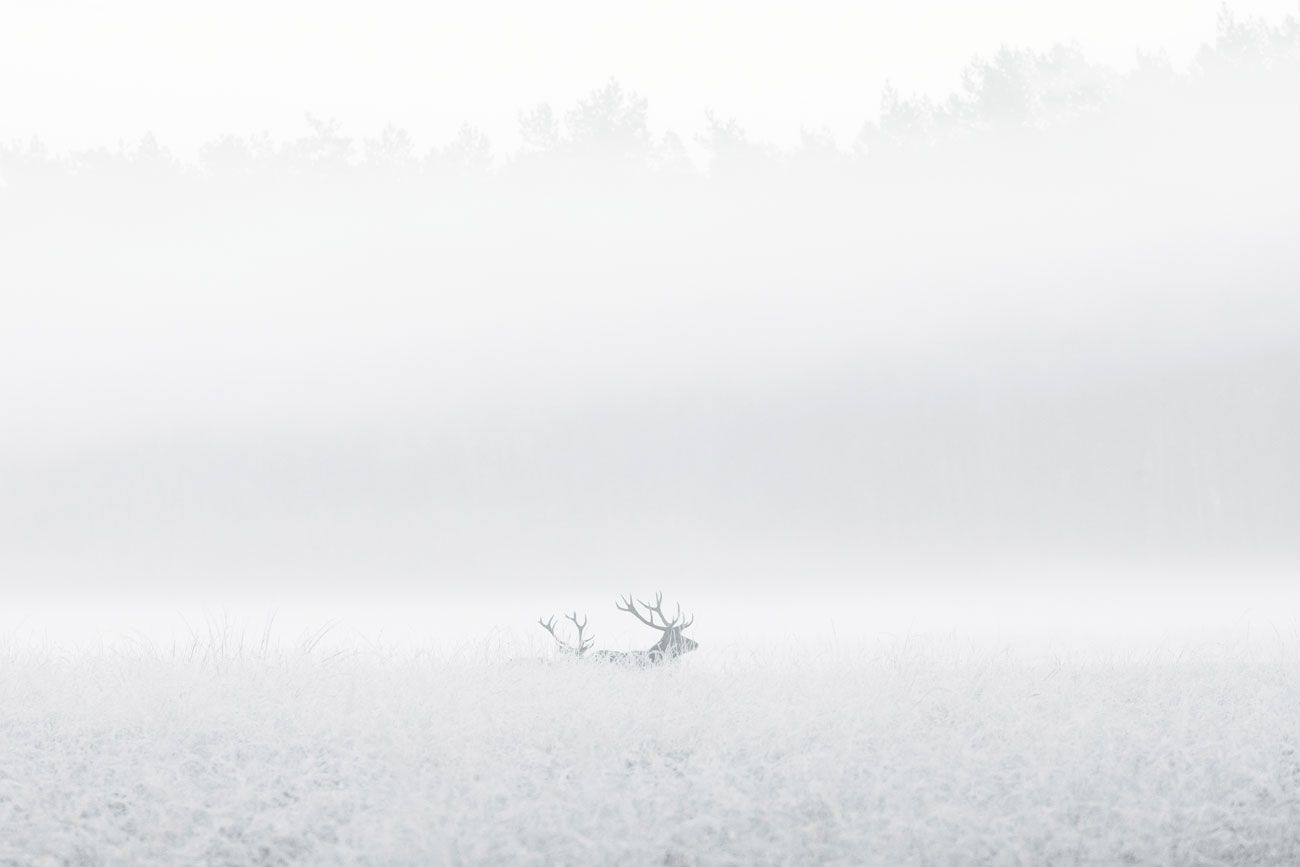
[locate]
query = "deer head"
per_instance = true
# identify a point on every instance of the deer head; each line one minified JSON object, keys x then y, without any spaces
{"x":673,"y":643}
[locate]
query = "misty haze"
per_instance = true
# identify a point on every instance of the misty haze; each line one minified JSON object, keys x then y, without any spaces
{"x":303,"y":432}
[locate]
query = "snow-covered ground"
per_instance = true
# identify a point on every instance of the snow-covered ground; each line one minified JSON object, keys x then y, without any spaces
{"x":900,"y":751}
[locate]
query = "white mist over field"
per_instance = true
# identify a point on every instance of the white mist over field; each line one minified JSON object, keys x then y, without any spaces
{"x":960,"y":412}
{"x":1036,"y":338}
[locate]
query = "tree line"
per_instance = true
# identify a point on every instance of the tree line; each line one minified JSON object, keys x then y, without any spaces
{"x":1016,"y":100}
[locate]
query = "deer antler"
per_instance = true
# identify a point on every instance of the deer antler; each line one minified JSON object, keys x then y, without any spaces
{"x":584,"y":644}
{"x":626,"y":603}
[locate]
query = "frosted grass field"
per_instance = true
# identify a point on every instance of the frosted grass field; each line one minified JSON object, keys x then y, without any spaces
{"x":907,"y":752}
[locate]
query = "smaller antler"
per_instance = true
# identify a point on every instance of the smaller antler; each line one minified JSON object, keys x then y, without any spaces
{"x":584,"y":644}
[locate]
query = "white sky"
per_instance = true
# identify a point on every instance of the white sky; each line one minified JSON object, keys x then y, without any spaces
{"x":85,"y":73}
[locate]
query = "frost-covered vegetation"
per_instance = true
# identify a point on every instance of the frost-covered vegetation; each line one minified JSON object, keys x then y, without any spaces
{"x":906,"y":753}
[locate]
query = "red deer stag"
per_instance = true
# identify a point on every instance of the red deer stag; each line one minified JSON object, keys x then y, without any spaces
{"x":672,"y":645}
